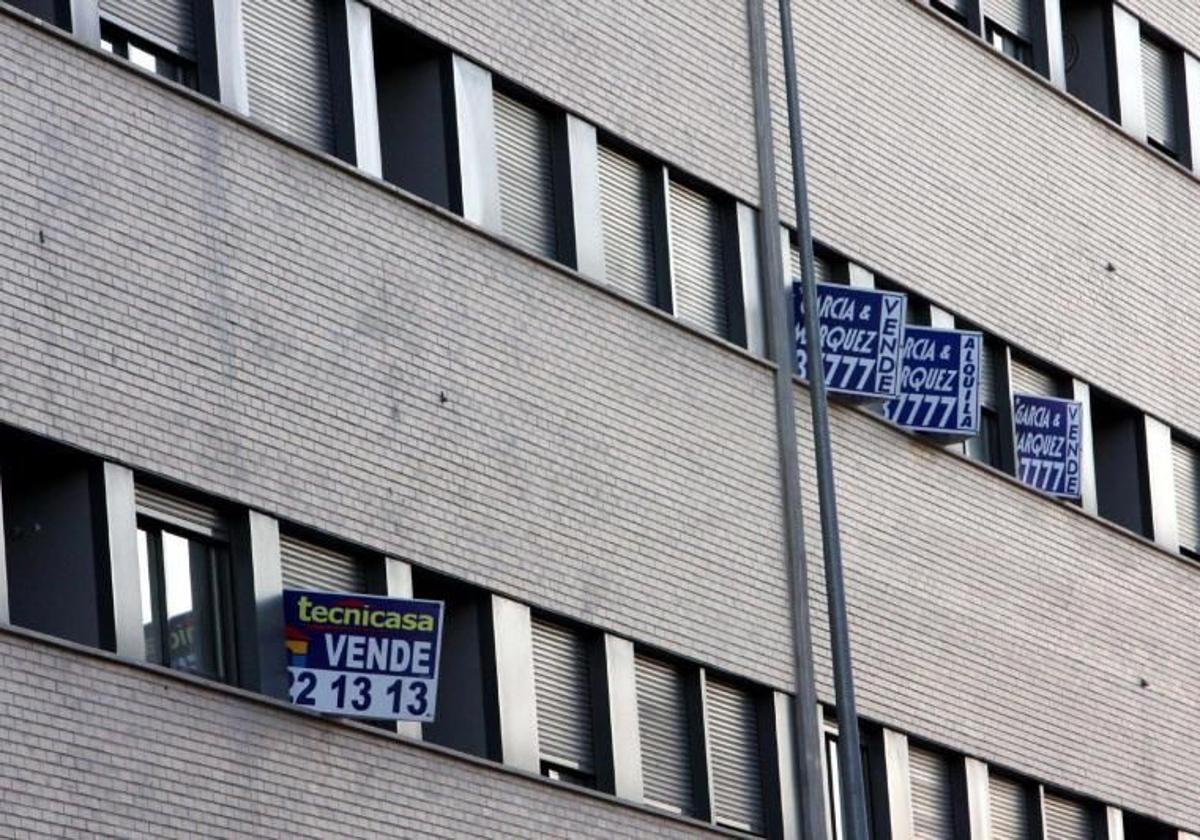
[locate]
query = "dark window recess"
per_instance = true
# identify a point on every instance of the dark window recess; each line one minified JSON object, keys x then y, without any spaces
{"x":828,"y":266}
{"x":563,"y":687}
{"x":467,"y":717}
{"x":1090,"y":54}
{"x":1029,"y":377}
{"x":414,"y":89}
{"x":1138,"y":827}
{"x":916,"y":309}
{"x":53,"y":500}
{"x":833,"y":783}
{"x":147,"y":55}
{"x":986,"y":446}
{"x":170,"y":23}
{"x":56,"y":12}
{"x":1009,"y":28}
{"x":954,"y":9}
{"x":1122,"y":478}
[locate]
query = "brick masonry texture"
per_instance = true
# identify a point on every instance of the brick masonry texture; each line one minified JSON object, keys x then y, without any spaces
{"x":93,"y":748}
{"x":216,"y":307}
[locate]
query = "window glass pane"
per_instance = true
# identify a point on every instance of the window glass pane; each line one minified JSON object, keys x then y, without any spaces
{"x":150,"y":627}
{"x":192,"y":632}
{"x":143,"y":59}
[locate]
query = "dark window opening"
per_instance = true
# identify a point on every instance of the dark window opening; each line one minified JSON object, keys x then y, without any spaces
{"x":1010,"y":44}
{"x":56,"y":12}
{"x":953,"y":9}
{"x":150,"y":57}
{"x":1122,"y":478}
{"x":1090,"y":54}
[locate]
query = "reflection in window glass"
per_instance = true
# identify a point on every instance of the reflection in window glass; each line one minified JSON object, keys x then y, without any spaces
{"x":143,"y":59}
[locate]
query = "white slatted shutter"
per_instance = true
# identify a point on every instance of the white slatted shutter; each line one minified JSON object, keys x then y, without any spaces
{"x":526,"y":183}
{"x":987,"y":375}
{"x":179,"y":511}
{"x":1028,"y":379}
{"x":627,"y":226}
{"x":1010,"y":15}
{"x":733,"y":750}
{"x":697,"y":261}
{"x":822,"y":269}
{"x":1067,"y":819}
{"x":169,"y":21}
{"x":932,"y":794}
{"x":664,"y":731}
{"x":1158,"y":82}
{"x":1187,"y":477}
{"x":562,"y":683}
{"x":1009,"y":808}
{"x":287,"y":68}
{"x":309,"y":566}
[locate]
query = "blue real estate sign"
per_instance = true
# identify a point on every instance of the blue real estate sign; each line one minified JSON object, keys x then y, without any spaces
{"x":363,"y":656}
{"x":1049,"y":435}
{"x":939,"y":382}
{"x":861,"y":332}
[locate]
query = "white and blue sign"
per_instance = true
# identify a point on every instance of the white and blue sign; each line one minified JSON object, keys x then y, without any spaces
{"x":939,"y":382}
{"x":1049,"y":439}
{"x":861,"y":337}
{"x":363,"y":656}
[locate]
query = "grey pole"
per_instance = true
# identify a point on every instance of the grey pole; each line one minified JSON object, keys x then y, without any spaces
{"x":806,"y":722}
{"x":854,"y":800}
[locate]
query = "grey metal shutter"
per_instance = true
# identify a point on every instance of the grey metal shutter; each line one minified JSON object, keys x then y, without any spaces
{"x":664,"y":733}
{"x":987,"y":375}
{"x":1158,"y":83}
{"x":526,"y":183}
{"x":171,"y":21}
{"x":821,"y":267}
{"x":1027,"y":379}
{"x":308,"y":566}
{"x":1009,"y":807}
{"x":733,"y":751}
{"x":562,"y":683}
{"x":627,"y":226}
{"x":932,"y":794}
{"x":1187,"y":476}
{"x":1067,"y":819}
{"x":287,"y":68}
{"x":697,"y":260}
{"x":1010,"y":15}
{"x":181,"y":512}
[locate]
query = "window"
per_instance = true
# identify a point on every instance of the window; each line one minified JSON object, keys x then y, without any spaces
{"x":1160,"y":81}
{"x":1186,"y":464}
{"x":833,"y":779}
{"x":52,"y":11}
{"x":1138,"y":827}
{"x":563,"y":687}
{"x":148,"y":56}
{"x":1008,"y":28}
{"x":183,"y":564}
{"x":955,"y":9}
{"x":665,"y":729}
{"x":628,"y":226}
{"x":828,"y":267}
{"x":524,"y":163}
{"x":1089,"y":53}
{"x":931,"y":780}
{"x":985,"y":446}
{"x":737,"y":783}
{"x":698,"y":260}
{"x":1011,"y":803}
{"x":1067,"y":818}
{"x":306,"y":565}
{"x":1029,"y":377}
{"x":1122,"y":477}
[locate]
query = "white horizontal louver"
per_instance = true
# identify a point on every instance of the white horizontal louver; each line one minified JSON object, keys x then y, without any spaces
{"x":179,"y":511}
{"x":733,"y":751}
{"x":1010,"y":15}
{"x":697,"y":261}
{"x":562,"y":685}
{"x":822,"y":270}
{"x":1067,"y":819}
{"x":932,"y":794}
{"x":526,"y":184}
{"x":169,"y":21}
{"x":627,"y":226}
{"x":287,"y":68}
{"x":664,"y":734}
{"x":1009,"y":808}
{"x":308,"y":566}
{"x":1158,"y":83}
{"x":987,"y":375}
{"x":1187,"y":476}
{"x":1027,"y":379}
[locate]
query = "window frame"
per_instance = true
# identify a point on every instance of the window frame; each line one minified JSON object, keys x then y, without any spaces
{"x":170,"y":64}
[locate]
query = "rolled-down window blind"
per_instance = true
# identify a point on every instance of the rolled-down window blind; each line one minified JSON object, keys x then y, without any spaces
{"x":526,"y":182}
{"x":309,"y":566}
{"x":169,"y":21}
{"x":822,"y":269}
{"x":987,"y":375}
{"x":664,"y":731}
{"x":1028,"y":379}
{"x":1011,"y":15}
{"x":179,"y":511}
{"x":697,"y":261}
{"x":1067,"y":819}
{"x":733,"y":749}
{"x":287,"y":68}
{"x":1187,"y":475}
{"x":627,"y":226}
{"x":1158,"y":83}
{"x":932,"y":794}
{"x":1009,"y":803}
{"x":562,"y":685}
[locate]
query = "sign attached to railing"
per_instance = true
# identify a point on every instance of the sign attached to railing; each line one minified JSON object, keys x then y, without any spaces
{"x":1049,"y":441}
{"x":363,"y":656}
{"x":861,"y":337}
{"x":939,"y":382}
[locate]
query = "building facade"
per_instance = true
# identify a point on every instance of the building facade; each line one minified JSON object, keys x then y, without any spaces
{"x":466,"y":301}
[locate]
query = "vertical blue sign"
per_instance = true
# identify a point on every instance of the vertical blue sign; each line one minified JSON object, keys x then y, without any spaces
{"x":1049,"y":440}
{"x":861,"y":337}
{"x":939,"y":382}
